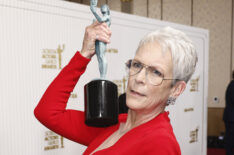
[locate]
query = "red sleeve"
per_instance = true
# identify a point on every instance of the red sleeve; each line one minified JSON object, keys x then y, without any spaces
{"x":51,"y":110}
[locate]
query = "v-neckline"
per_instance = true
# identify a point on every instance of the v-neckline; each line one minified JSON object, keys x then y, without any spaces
{"x":122,"y":118}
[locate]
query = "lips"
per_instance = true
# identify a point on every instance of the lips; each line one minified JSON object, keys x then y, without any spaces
{"x":136,"y":93}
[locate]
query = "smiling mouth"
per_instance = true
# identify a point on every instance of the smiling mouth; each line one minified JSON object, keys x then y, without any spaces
{"x":137,"y":93}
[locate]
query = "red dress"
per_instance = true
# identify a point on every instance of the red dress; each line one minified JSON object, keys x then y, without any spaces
{"x":155,"y":137}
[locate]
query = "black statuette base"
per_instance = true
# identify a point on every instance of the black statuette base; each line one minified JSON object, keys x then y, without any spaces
{"x":101,"y":103}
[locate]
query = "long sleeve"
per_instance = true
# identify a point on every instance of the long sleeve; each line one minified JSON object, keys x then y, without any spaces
{"x":51,"y":110}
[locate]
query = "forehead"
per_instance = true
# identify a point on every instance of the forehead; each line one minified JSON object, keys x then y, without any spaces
{"x":151,"y":54}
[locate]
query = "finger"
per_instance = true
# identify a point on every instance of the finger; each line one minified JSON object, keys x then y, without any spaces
{"x":102,"y":29}
{"x":103,"y":37}
{"x":97,"y":37}
{"x":106,"y":28}
{"x":99,"y":31}
{"x":105,"y":25}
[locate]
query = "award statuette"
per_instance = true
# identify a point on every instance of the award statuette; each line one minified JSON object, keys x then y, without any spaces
{"x":101,"y":95}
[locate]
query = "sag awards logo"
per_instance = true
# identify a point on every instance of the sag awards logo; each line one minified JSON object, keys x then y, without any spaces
{"x":194,"y":84}
{"x":121,"y":85}
{"x":73,"y":95}
{"x":52,"y":58}
{"x":194,"y":135}
{"x":53,"y":141}
{"x":111,"y":50}
{"x":188,"y":109}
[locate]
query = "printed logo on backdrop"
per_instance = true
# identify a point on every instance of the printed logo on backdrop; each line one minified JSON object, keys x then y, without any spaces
{"x":121,"y":85}
{"x":53,"y":141}
{"x":73,"y":95}
{"x":188,"y":109}
{"x":52,"y":58}
{"x":112,"y":50}
{"x":194,"y":84}
{"x":194,"y":135}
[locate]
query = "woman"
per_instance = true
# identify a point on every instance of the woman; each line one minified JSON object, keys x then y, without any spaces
{"x":164,"y":62}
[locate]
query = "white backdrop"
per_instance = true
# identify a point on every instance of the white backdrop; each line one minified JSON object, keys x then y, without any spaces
{"x":38,"y":38}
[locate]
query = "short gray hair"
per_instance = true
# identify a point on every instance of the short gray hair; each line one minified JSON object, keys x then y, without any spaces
{"x":184,"y":55}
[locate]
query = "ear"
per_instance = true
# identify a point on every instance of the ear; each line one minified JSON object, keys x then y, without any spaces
{"x":178,"y":89}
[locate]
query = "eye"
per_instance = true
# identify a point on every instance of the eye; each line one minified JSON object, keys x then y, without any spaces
{"x":155,"y":72}
{"x":136,"y":64}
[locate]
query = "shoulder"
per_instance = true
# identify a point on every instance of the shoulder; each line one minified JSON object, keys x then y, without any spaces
{"x":232,"y":83}
{"x":153,"y":137}
{"x":161,"y":138}
{"x":230,"y":86}
{"x":161,"y":144}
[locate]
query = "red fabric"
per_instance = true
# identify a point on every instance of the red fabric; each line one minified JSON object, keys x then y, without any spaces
{"x":153,"y":137}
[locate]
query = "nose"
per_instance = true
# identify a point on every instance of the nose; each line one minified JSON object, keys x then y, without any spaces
{"x":141,"y":76}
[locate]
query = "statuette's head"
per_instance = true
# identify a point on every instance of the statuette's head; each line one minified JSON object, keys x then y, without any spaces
{"x":105,"y":9}
{"x":93,"y":2}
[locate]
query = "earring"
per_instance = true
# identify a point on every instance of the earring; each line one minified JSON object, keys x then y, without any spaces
{"x":171,"y":101}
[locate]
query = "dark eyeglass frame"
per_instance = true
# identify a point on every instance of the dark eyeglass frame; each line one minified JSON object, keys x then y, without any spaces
{"x":128,"y":66}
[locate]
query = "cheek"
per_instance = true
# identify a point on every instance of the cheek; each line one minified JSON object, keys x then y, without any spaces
{"x":154,"y":97}
{"x":130,"y":82}
{"x":157,"y":95}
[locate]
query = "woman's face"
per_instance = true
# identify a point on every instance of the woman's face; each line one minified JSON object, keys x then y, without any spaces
{"x":142,"y":96}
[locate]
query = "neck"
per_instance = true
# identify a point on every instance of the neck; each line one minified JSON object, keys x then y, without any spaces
{"x":136,"y":118}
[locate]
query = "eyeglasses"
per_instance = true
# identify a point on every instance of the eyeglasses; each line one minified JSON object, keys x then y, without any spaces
{"x":155,"y":77}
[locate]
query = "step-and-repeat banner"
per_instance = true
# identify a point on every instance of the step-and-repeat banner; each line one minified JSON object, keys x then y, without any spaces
{"x":38,"y":38}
